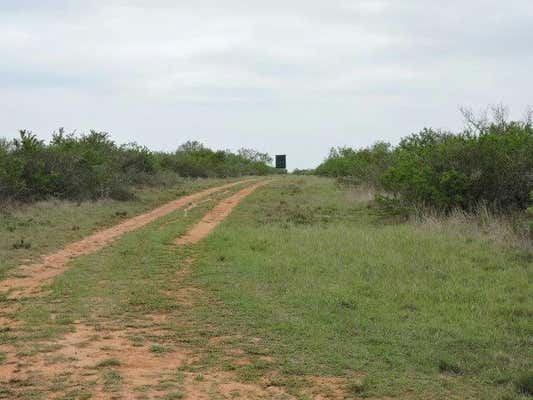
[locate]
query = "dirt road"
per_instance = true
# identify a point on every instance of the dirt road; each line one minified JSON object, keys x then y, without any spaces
{"x":31,"y":277}
{"x":214,"y":217}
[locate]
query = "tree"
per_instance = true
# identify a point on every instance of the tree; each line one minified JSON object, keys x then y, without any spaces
{"x":254,"y":155}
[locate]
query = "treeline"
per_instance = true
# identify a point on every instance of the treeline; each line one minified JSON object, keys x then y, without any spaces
{"x":490,"y":162}
{"x":91,"y":166}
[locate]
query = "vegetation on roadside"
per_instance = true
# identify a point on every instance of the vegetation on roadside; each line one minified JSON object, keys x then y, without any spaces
{"x":489,"y":163}
{"x":396,"y":309}
{"x":92,"y":166}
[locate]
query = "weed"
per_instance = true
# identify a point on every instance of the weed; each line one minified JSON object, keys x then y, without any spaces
{"x":109,"y":362}
{"x":524,"y":384}
{"x":22,"y":244}
{"x":174,"y":396}
{"x":158,"y":349}
{"x":356,"y":388}
{"x":138,"y":341}
{"x":300,"y":216}
{"x":449,"y":366}
{"x":112,"y":380}
{"x":292,"y":189}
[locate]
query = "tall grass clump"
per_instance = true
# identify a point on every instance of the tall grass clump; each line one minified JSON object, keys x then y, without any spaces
{"x":92,"y":166}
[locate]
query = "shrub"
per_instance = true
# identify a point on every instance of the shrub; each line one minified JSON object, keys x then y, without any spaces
{"x":489,"y":162}
{"x":463,"y":170}
{"x":193,"y":159}
{"x":363,"y":165}
{"x":93,"y":166}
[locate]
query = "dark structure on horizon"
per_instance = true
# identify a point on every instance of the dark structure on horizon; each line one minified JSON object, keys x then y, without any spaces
{"x":281,"y":161}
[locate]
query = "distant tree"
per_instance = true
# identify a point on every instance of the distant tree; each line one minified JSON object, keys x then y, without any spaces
{"x":254,"y":155}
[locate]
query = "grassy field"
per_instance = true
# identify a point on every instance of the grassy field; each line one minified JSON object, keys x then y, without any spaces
{"x":303,"y":281}
{"x":338,"y":291}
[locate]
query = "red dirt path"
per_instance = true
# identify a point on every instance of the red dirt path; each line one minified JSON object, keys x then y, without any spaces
{"x":214,"y":217}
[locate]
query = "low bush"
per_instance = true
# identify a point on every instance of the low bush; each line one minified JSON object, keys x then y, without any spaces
{"x":360,"y":165}
{"x":93,"y":166}
{"x":489,"y":162}
{"x":193,"y":159}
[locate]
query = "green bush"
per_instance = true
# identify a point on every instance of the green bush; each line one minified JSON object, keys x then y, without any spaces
{"x":93,"y":166}
{"x":488,"y":163}
{"x":363,"y":165}
{"x":195,"y":160}
{"x":462,"y":170}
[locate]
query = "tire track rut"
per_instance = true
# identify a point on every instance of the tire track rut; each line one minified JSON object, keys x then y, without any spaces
{"x":214,"y":217}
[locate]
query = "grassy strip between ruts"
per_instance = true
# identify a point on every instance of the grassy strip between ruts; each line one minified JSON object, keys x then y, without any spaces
{"x":332,"y":289}
{"x":29,"y":231}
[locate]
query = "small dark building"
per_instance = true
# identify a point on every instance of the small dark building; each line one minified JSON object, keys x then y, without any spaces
{"x":281,"y":161}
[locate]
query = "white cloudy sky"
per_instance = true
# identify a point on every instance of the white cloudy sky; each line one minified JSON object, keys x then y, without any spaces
{"x":291,"y":76}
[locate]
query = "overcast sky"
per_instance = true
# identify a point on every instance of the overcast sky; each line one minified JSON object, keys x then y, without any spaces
{"x":281,"y":76}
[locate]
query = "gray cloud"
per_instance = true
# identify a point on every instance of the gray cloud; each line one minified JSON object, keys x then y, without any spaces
{"x":295,"y":77}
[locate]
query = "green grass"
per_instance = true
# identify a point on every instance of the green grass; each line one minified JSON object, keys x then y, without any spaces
{"x":303,"y":272}
{"x":332,"y":289}
{"x":29,"y":231}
